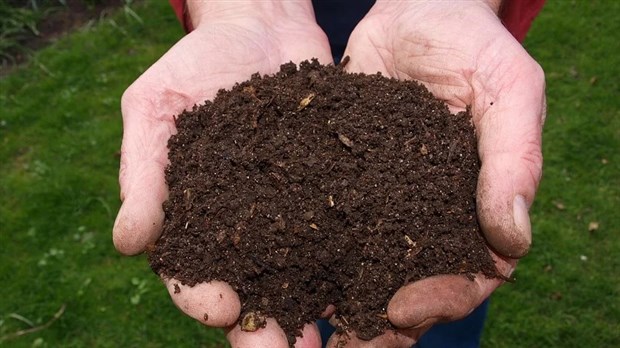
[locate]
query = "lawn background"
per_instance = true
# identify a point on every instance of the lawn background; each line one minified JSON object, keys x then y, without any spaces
{"x":60,"y":132}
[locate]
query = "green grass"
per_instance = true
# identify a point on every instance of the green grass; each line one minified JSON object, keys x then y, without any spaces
{"x":15,"y":24}
{"x":60,"y":132}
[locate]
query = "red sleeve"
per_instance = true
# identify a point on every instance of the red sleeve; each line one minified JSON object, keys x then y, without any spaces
{"x":179,"y":9}
{"x":518,"y":15}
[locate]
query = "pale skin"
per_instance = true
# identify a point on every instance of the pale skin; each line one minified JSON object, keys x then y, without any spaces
{"x":461,"y":52}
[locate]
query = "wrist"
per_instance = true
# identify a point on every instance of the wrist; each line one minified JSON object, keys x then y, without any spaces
{"x":493,"y":5}
{"x":202,"y":11}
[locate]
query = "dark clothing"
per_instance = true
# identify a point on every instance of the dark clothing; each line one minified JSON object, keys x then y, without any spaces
{"x":338,"y":18}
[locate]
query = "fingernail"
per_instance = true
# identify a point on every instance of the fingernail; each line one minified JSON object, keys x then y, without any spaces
{"x":521,"y":217}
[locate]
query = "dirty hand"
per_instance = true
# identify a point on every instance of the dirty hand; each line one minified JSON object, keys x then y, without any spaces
{"x":230,"y":42}
{"x":463,"y":54}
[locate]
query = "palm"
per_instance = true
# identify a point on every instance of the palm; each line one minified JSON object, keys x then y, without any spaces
{"x":466,"y":58}
{"x":212,"y":57}
{"x":453,"y":54}
{"x":218,"y":55}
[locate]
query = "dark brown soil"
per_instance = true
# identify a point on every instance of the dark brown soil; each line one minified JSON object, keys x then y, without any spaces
{"x":315,"y":187}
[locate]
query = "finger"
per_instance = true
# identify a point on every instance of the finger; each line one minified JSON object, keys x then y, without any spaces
{"x":329,"y":311}
{"x":272,"y":336}
{"x":443,"y":298}
{"x":213,"y":304}
{"x":140,"y":218}
{"x":509,"y":144}
{"x":391,"y":339}
{"x":147,"y":126}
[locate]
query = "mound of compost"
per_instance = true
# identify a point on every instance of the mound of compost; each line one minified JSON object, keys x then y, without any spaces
{"x":313,"y":187}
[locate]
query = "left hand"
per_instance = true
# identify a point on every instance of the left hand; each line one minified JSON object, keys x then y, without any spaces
{"x":231,"y":41}
{"x":462,"y":53}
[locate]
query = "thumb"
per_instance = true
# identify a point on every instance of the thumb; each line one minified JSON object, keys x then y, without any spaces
{"x":146,"y":130}
{"x":509,"y":145}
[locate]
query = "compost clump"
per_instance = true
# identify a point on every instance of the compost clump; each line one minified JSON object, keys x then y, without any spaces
{"x":315,"y":186}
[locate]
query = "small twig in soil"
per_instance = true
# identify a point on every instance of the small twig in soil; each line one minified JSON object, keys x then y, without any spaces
{"x":382,"y":316}
{"x":410,"y":242}
{"x":268,"y":102}
{"x":330,"y":201}
{"x":255,"y":121}
{"x":252,"y":209}
{"x":304,"y":102}
{"x":345,"y":327}
{"x":413,"y":248}
{"x":345,"y":140}
{"x":425,"y":128}
{"x":451,"y":149}
{"x":188,"y":198}
{"x":344,"y":62}
{"x":331,"y":167}
{"x":261,"y":104}
{"x":252,"y":92}
{"x":19,"y":333}
{"x":408,"y":142}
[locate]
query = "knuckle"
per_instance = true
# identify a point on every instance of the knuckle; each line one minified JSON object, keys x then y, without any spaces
{"x":536,"y":73}
{"x":130,"y":95}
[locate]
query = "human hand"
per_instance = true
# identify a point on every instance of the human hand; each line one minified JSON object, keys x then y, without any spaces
{"x":461,"y":52}
{"x":231,"y":41}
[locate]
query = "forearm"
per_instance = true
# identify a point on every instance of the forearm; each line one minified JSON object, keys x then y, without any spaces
{"x":515,"y":15}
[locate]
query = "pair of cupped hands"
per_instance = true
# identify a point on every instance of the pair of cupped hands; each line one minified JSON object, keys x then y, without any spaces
{"x":460,"y":51}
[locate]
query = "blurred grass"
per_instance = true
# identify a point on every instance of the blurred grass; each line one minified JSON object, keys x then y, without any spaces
{"x":16,"y":23}
{"x":60,"y":132}
{"x":19,"y":23}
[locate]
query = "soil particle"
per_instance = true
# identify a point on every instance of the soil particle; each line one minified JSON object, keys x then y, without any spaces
{"x":253,"y":321}
{"x":314,"y":187}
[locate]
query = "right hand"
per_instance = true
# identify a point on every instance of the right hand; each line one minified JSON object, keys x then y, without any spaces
{"x":464,"y":55}
{"x":229,"y":44}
